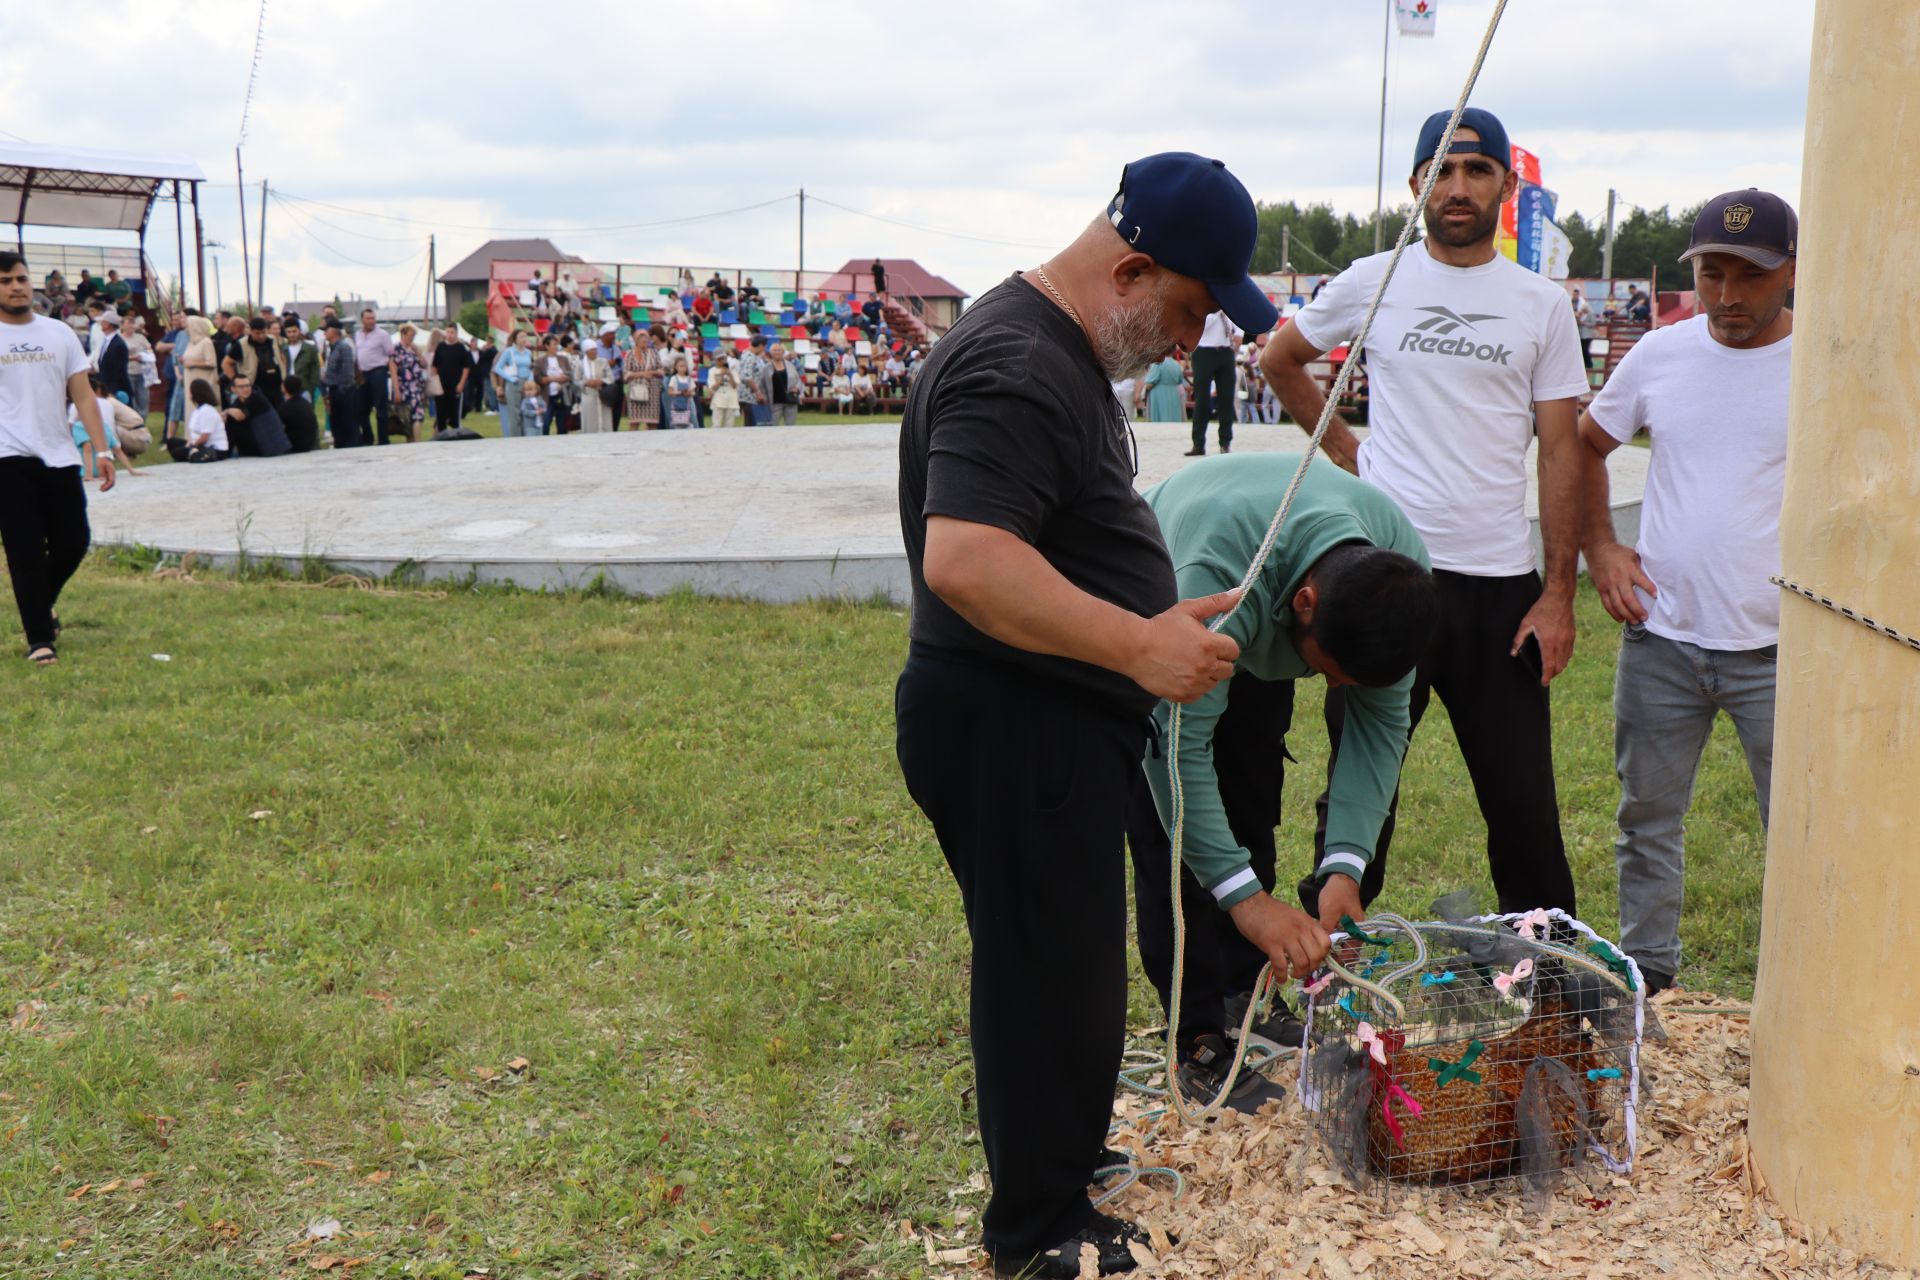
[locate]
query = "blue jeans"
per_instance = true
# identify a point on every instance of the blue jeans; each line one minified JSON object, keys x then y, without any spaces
{"x":1665,"y":696}
{"x":510,"y":410}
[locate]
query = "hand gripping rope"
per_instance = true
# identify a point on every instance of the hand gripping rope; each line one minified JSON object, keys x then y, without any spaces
{"x":1268,"y":982}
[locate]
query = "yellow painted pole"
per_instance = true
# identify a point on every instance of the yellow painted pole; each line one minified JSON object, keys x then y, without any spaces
{"x":1835,"y":1123}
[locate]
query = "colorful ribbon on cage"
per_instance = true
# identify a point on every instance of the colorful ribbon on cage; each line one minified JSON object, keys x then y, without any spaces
{"x":1448,"y":1072}
{"x":1379,"y":1045}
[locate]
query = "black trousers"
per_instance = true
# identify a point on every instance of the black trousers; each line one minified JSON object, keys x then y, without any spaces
{"x":1249,"y":758}
{"x":1026,"y":784}
{"x":446,"y":411}
{"x":43,"y":522}
{"x":1212,"y":393}
{"x":1503,"y":722}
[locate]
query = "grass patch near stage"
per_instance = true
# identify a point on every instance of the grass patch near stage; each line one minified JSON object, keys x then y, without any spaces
{"x":551,"y":935}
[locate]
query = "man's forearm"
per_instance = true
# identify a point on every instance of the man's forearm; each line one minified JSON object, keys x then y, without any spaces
{"x":1300,"y":395}
{"x":1560,"y":511}
{"x":1596,"y":501}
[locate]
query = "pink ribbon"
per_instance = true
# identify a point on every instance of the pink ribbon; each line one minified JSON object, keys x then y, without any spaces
{"x":1407,"y":1100}
{"x":1319,"y":984}
{"x":1535,"y":919}
{"x":1371,"y":1038}
{"x":1504,"y":982}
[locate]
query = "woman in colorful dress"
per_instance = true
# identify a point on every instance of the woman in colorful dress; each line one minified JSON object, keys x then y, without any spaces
{"x":408,"y":378}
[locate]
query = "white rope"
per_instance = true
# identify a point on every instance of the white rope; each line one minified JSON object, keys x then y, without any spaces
{"x":1268,"y":982}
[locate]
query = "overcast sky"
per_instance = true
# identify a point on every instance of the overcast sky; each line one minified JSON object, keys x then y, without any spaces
{"x":1007,"y":122}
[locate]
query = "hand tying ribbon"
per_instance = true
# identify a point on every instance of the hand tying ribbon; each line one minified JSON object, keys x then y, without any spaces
{"x":1448,"y":1072}
{"x":1616,"y":962}
{"x":1352,"y":930}
{"x":1532,"y":921}
{"x":1438,"y":979}
{"x":1503,"y":983}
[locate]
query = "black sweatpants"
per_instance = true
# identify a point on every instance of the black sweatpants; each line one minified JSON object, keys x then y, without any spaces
{"x":43,"y":522}
{"x":446,"y":411}
{"x":1503,"y":722}
{"x":1212,"y":393}
{"x":1249,"y":758}
{"x":1026,"y":783}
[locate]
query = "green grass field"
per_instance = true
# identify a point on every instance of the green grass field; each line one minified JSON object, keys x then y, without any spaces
{"x":551,"y":935}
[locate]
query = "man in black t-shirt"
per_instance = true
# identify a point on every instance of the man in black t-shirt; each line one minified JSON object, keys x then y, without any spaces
{"x":1045,"y":627}
{"x":254,"y":427}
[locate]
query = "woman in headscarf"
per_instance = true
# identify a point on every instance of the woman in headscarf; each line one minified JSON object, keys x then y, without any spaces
{"x":199,"y":363}
{"x":408,"y":378}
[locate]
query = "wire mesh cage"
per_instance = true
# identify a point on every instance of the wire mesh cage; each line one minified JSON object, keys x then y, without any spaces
{"x":1476,"y":1051}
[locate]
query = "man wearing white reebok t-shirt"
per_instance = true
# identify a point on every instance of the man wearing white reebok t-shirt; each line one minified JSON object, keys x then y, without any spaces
{"x":1701,"y":621}
{"x":43,"y":508}
{"x":1469,"y":358}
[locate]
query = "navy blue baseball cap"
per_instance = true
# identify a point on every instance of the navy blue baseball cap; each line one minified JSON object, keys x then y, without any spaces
{"x":1752,"y":224}
{"x":1492,"y":142}
{"x":1191,"y":216}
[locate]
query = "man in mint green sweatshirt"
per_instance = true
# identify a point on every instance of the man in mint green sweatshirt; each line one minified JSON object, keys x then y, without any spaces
{"x":1346,"y":593}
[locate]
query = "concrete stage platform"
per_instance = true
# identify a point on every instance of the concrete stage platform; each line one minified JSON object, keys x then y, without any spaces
{"x":775,"y":514}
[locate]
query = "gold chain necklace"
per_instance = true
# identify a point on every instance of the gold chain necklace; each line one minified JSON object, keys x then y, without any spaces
{"x":1042,"y":273}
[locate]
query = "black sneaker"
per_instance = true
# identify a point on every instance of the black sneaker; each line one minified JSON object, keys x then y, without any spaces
{"x":1203,"y":1072}
{"x":1109,"y":1237}
{"x":1195,"y":453}
{"x":1279,"y":1031}
{"x":1656,"y":981}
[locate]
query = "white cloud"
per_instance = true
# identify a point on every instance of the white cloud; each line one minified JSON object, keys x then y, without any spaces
{"x":1006,"y":121}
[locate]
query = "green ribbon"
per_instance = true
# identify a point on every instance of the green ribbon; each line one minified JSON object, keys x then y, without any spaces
{"x":1616,"y":962}
{"x":1448,"y":1072}
{"x":1352,"y":930}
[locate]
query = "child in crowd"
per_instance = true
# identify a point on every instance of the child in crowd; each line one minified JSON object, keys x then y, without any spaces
{"x":533,"y":415}
{"x":724,"y":398}
{"x":680,"y":395}
{"x":113,"y":415}
{"x":206,"y":427}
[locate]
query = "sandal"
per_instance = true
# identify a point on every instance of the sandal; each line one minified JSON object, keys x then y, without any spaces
{"x":42,"y":655}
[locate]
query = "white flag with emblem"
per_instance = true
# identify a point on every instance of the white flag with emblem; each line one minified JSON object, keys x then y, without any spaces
{"x":1415,"y":17}
{"x":1556,"y":251}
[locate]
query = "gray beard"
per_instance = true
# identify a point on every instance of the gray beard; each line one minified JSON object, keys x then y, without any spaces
{"x":1128,"y":339}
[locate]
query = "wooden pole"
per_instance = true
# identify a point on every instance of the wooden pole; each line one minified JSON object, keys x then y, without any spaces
{"x":1835,"y":1122}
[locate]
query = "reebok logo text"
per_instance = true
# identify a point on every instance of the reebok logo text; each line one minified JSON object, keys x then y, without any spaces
{"x":1430,"y":336}
{"x":1464,"y":348}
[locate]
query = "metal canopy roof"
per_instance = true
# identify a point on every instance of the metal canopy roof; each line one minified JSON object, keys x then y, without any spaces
{"x":72,"y":187}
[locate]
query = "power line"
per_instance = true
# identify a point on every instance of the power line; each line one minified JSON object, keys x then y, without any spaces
{"x":458,"y":226}
{"x":915,"y":226}
{"x":253,"y":73}
{"x":311,"y":216}
{"x":299,"y":221}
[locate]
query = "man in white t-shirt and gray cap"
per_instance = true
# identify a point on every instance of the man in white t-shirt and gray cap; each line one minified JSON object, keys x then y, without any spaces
{"x":1700,"y":618}
{"x":1469,"y":359}
{"x":43,"y":508}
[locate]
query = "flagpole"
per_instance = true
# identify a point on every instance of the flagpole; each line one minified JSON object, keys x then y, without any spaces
{"x":1380,"y":166}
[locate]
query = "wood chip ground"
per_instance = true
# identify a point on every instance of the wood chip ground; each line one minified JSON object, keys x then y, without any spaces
{"x":1262,"y":1199}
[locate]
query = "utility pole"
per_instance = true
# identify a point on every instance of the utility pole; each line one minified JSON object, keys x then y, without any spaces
{"x":1606,"y":246}
{"x":1286,"y":247}
{"x":433,"y":289}
{"x":218,"y":300}
{"x":246,"y":261}
{"x":263,"y":242}
{"x":1380,"y":167}
{"x":799,"y":285}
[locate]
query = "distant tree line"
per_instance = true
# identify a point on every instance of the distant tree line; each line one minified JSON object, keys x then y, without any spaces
{"x":1323,"y":240}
